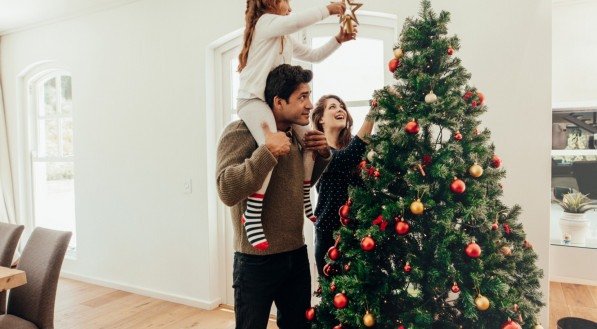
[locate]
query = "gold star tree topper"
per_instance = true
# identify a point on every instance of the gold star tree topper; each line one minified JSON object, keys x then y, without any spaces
{"x":349,"y":16}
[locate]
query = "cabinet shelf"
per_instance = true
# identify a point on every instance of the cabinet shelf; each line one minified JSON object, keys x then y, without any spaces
{"x":573,"y":152}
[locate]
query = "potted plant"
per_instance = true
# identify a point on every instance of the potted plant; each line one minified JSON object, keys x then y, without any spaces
{"x":573,"y":224}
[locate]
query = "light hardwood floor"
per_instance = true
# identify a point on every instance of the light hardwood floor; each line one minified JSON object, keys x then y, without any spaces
{"x":85,"y":306}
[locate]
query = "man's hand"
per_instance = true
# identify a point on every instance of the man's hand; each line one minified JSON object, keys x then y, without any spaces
{"x":277,"y":143}
{"x":315,"y":141}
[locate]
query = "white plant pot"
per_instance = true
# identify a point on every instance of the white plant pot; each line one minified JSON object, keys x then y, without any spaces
{"x":574,"y":226}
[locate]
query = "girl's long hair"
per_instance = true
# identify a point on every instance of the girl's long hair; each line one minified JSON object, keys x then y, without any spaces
{"x":255,"y":9}
{"x":317,"y":113}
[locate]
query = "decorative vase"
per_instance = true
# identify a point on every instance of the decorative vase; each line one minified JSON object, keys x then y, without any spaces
{"x":574,"y":227}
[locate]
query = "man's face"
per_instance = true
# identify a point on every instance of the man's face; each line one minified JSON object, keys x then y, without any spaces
{"x":299,"y":106}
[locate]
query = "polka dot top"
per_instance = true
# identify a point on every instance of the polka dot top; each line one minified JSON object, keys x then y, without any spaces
{"x":333,"y":184}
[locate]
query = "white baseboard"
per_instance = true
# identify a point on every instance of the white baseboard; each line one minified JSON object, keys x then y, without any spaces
{"x":564,"y":279}
{"x":206,"y":305}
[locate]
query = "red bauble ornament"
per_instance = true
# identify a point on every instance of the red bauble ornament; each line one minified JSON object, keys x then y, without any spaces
{"x":407,"y":268}
{"x":457,"y":136}
{"x":507,"y":228}
{"x":494,"y":226}
{"x":332,"y":287}
{"x":329,"y":270}
{"x":455,"y":288}
{"x":473,"y":250}
{"x":510,"y":325}
{"x":376,"y":174}
{"x":457,"y":186}
{"x":401,"y":327}
{"x":467,"y":95}
{"x":450,"y":51}
{"x":371,"y":171}
{"x":496,"y":162}
{"x":393,"y":64}
{"x":474,"y":104}
{"x":373,"y":102}
{"x":363,"y":164}
{"x":379,"y":220}
{"x":344,"y":221}
{"x":344,"y":211}
{"x":347,"y":267}
{"x":367,"y":243}
{"x":402,"y":227}
{"x":426,"y":159}
{"x":481,"y":97}
{"x":310,"y":314}
{"x":333,"y":253}
{"x":340,"y":300}
{"x":412,"y":127}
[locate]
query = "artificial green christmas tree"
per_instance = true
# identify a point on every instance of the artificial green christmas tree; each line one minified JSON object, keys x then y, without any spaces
{"x":426,"y":242}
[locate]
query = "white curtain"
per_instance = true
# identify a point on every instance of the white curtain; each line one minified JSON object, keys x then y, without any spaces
{"x":7,"y":205}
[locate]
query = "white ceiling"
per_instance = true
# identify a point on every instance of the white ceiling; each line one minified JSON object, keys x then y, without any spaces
{"x":20,"y":14}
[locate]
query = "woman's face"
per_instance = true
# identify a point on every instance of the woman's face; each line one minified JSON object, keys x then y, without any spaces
{"x":334,"y":115}
{"x":284,"y":7}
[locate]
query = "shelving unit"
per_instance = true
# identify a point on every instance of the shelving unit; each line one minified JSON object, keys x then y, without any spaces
{"x":555,"y":153}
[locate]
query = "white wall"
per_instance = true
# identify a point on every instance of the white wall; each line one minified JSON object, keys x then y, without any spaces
{"x":574,"y":46}
{"x":138,"y":87}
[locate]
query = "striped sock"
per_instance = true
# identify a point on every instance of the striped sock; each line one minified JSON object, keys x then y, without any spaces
{"x":307,"y":201}
{"x":252,"y":221}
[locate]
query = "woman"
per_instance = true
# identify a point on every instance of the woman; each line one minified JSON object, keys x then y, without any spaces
{"x":331,"y":116}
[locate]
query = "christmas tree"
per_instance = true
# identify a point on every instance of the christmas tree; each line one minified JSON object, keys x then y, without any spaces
{"x":426,"y":242}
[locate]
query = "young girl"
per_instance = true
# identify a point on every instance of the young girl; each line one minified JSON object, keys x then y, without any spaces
{"x":267,"y":44}
{"x":331,"y":116}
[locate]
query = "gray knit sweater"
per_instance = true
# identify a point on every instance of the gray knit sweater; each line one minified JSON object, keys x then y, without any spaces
{"x":242,"y":168}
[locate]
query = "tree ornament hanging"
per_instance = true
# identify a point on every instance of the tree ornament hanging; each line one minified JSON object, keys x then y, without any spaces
{"x":494,"y":226}
{"x":458,"y":186}
{"x":412,"y":127}
{"x":506,"y":251}
{"x":344,"y":211}
{"x":310,"y":314}
{"x":481,"y":97}
{"x":416,"y":207}
{"x":339,"y":326}
{"x":482,"y":303}
{"x":368,"y":319}
{"x":475,"y":170}
{"x":346,"y":267}
{"x":426,"y":159}
{"x":450,"y":51}
{"x":371,"y":155}
{"x":332,"y":286}
{"x":367,"y":243}
{"x":496,"y":162}
{"x":333,"y":253}
{"x":407,"y":267}
{"x":510,"y":324}
{"x":457,"y":136}
{"x":376,"y":174}
{"x":430,"y":97}
{"x":402,"y":227}
{"x":363,"y":165}
{"x":393,"y":64}
{"x":344,"y":221}
{"x":379,"y":220}
{"x":527,"y":245}
{"x":467,"y":95}
{"x":398,"y":53}
{"x":473,"y":250}
{"x":455,"y":288}
{"x":340,"y":300}
{"x":507,"y":229}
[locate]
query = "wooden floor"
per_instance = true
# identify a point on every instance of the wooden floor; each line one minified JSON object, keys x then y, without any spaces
{"x":571,"y":300}
{"x":85,"y":306}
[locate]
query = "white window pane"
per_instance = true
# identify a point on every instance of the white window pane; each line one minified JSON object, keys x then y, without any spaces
{"x":49,"y":104}
{"x":358,"y":115}
{"x":48,"y":138}
{"x":67,"y":137}
{"x":353,"y":72}
{"x":66,"y":94}
{"x":235,"y":81}
{"x":54,"y":193}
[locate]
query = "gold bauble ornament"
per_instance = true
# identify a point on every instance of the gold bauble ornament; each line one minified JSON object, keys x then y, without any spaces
{"x":368,"y":319}
{"x":371,"y":155}
{"x":482,"y":303}
{"x":430,"y":98}
{"x":417,"y":207}
{"x":475,"y":170}
{"x":506,"y":251}
{"x":398,"y":53}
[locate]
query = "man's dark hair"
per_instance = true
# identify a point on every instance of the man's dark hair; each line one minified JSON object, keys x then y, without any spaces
{"x":283,"y":81}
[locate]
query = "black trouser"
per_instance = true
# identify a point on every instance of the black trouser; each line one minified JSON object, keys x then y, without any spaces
{"x":280,"y":278}
{"x":323,"y":242}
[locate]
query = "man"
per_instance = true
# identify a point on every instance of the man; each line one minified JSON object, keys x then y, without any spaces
{"x":279,"y":274}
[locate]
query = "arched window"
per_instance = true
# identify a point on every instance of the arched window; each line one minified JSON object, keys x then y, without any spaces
{"x":52,"y":153}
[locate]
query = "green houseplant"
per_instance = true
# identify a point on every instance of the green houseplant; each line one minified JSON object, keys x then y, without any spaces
{"x":573,"y":224}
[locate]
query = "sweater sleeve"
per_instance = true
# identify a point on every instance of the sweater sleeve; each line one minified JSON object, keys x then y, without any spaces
{"x":350,"y":156}
{"x":319,"y":167}
{"x":314,"y":55}
{"x":271,"y":25}
{"x":241,"y":169}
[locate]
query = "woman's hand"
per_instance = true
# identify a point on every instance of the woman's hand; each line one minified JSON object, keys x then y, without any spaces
{"x":343,"y":36}
{"x":336,"y":8}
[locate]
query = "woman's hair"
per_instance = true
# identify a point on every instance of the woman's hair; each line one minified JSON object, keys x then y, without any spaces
{"x":317,"y":113}
{"x":255,"y":9}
